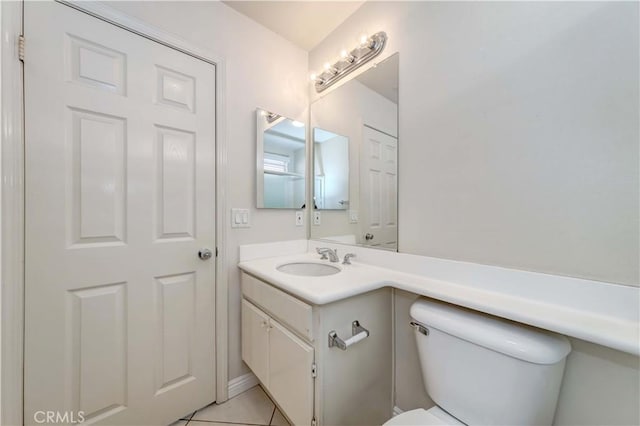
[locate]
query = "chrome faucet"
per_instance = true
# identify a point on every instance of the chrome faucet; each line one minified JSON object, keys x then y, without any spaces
{"x":347,"y":258}
{"x":333,"y":254}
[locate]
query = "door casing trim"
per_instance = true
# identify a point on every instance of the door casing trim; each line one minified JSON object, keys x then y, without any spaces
{"x":11,"y":216}
{"x":12,"y":196}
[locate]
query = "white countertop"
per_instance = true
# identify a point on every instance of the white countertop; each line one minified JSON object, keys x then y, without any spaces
{"x":618,"y":329}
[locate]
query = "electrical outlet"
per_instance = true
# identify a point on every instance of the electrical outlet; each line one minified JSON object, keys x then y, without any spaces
{"x":300,"y":218}
{"x":316,"y":218}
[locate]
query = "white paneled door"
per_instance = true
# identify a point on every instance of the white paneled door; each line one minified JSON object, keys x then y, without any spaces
{"x":120,"y":199}
{"x":379,"y":189}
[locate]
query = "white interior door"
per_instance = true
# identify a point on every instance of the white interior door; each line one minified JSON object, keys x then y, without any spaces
{"x":120,"y":156}
{"x":379,"y":189}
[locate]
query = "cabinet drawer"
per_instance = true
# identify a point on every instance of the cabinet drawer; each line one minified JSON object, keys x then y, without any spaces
{"x":296,"y":314}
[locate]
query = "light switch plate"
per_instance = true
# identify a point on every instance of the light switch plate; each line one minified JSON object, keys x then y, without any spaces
{"x":317,"y":219}
{"x":240,"y":218}
{"x":299,"y":218}
{"x":353,"y":216}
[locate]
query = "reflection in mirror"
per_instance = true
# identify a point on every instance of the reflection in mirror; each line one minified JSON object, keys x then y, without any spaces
{"x":331,"y":170}
{"x":363,"y":115}
{"x":281,"y":157}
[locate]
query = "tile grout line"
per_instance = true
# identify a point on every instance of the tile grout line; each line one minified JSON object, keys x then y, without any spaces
{"x":190,"y":417}
{"x":273,"y":413}
{"x":228,"y":423}
{"x":187,"y":418}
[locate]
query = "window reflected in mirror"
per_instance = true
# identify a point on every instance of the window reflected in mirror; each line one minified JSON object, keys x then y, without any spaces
{"x":281,"y":157}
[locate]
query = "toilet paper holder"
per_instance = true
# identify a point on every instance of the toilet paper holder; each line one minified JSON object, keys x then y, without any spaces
{"x":358,"y":333}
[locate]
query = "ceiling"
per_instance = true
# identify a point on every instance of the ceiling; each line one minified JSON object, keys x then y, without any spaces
{"x":304,"y":23}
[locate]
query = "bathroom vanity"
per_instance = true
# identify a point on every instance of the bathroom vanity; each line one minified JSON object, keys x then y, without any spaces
{"x":286,"y":343}
{"x":288,"y":318}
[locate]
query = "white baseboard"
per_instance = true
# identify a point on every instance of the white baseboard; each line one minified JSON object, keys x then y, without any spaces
{"x":397,"y":411}
{"x":241,"y":384}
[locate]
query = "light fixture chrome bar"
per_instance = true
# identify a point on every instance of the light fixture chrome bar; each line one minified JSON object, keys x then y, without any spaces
{"x":354,"y":60}
{"x":272,"y":116}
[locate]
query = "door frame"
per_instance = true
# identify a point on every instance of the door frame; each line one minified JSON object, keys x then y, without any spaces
{"x":12,"y":196}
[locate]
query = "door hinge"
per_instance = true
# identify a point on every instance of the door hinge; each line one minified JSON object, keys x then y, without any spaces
{"x":216,"y":251}
{"x":21,"y":48}
{"x":314,"y":370}
{"x":313,"y":421}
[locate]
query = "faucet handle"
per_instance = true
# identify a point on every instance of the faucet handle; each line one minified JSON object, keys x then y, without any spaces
{"x":323,"y":252}
{"x":347,"y":258}
{"x":332,"y":253}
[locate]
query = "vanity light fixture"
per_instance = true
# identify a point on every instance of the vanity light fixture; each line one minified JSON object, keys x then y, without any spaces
{"x":369,"y":48}
{"x":346,"y":56}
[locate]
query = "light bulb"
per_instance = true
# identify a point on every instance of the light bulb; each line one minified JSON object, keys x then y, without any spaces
{"x":327,"y":65}
{"x":363,"y":39}
{"x":313,"y":77}
{"x":347,"y":56}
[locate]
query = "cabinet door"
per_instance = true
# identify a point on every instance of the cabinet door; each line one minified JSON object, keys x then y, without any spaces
{"x":290,"y":380}
{"x":255,"y":341}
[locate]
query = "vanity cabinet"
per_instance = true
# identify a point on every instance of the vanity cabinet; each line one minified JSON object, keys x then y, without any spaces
{"x":281,"y":361}
{"x":285,"y":343}
{"x":255,"y":340}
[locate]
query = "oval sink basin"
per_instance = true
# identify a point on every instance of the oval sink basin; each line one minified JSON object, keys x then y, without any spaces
{"x":308,"y":269}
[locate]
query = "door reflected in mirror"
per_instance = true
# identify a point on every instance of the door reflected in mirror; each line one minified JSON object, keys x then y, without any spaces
{"x":281,"y":157}
{"x":331,"y":170}
{"x":355,"y":141}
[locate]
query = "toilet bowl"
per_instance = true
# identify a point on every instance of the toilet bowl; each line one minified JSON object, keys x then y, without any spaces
{"x":434,"y":416}
{"x":484,"y":370}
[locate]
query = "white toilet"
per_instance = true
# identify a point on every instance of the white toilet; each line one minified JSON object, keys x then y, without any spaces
{"x":483,"y":370}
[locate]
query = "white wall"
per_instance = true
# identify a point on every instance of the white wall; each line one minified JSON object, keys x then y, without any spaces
{"x":518,"y":147}
{"x":519,"y":131}
{"x":601,"y":386}
{"x":262,"y":70}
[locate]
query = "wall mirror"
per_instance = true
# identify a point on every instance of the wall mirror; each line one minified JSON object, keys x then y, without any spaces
{"x":330,"y":170}
{"x":355,"y":150}
{"x":281,"y":156}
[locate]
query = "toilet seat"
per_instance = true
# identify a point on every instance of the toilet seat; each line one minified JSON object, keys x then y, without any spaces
{"x":435,"y":416}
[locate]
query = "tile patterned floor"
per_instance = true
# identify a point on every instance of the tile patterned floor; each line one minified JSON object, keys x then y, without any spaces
{"x":250,"y":408}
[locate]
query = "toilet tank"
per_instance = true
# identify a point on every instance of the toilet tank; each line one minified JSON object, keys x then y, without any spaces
{"x":485,"y":370}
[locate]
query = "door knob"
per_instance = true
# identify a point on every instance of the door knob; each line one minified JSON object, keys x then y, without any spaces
{"x":205,"y":254}
{"x":368,"y":236}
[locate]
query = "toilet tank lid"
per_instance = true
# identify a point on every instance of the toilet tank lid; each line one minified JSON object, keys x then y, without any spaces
{"x":508,"y":337}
